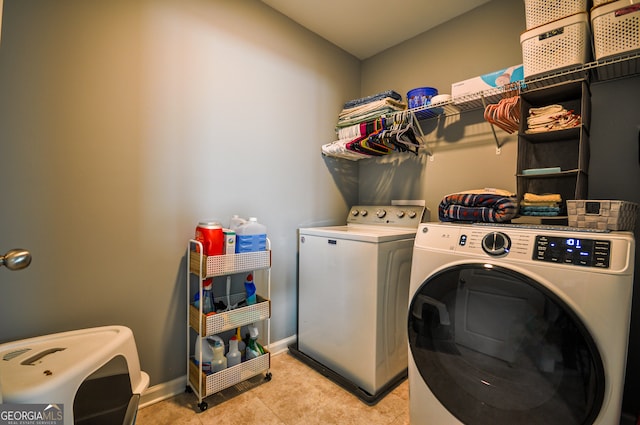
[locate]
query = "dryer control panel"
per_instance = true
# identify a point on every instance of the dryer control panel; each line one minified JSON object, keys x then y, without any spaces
{"x":573,"y":250}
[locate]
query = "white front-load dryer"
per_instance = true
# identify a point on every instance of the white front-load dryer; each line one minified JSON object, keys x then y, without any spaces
{"x":518,"y":325}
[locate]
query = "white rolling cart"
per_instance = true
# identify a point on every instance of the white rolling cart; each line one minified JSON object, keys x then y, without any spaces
{"x":201,"y":267}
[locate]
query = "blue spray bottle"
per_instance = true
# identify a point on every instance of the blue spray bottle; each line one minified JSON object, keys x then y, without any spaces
{"x":251,"y":289}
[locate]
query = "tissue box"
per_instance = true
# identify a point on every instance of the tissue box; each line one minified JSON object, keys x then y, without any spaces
{"x":602,"y":214}
{"x":470,"y":89}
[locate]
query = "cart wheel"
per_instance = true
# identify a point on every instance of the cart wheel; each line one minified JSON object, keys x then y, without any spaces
{"x":203,"y":406}
{"x":267,"y":377}
{"x":188,"y":389}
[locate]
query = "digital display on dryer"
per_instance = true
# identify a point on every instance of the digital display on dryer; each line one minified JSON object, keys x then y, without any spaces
{"x":576,"y":251}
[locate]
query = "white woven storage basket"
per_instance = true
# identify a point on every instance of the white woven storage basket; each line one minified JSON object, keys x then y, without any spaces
{"x":541,"y":12}
{"x":616,"y":28}
{"x":602,"y":214}
{"x":556,"y":45}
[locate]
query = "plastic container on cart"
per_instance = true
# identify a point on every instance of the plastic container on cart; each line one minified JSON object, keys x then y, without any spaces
{"x":210,"y":234}
{"x":251,"y":236}
{"x":235,"y":222}
{"x":234,"y":357}
{"x":203,"y":348}
{"x":219,"y":361}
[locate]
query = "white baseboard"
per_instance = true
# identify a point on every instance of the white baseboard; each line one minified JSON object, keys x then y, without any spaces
{"x":282,"y":346}
{"x":176,"y":386}
{"x":163,"y":391}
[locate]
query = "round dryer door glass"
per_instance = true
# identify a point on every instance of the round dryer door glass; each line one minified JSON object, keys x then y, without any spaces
{"x":496,"y":347}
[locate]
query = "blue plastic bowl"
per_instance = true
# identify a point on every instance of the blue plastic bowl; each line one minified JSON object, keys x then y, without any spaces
{"x":420,"y":96}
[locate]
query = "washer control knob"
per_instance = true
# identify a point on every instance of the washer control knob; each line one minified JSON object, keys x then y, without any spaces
{"x":400,"y":214}
{"x":412,"y":214}
{"x":354,"y":213}
{"x":496,"y":244}
{"x":381,"y":213}
{"x":364,"y":213}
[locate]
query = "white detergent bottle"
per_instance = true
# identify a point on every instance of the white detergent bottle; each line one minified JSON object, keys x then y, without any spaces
{"x":235,"y":222}
{"x":202,"y":345}
{"x":233,"y":356}
{"x":251,"y":236}
{"x":219,"y":361}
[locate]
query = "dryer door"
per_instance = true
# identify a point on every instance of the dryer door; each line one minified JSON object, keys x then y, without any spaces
{"x":496,"y":347}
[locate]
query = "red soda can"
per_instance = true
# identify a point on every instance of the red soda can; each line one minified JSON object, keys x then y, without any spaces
{"x":210,"y":234}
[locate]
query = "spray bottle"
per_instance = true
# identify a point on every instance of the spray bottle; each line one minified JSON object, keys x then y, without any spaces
{"x":233,"y":356}
{"x":250,"y":287}
{"x":254,"y":349}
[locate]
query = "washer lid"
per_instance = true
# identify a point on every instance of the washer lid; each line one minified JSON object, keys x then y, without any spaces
{"x":355,"y":232}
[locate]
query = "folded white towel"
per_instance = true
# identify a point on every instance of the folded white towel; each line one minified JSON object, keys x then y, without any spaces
{"x":546,"y":110}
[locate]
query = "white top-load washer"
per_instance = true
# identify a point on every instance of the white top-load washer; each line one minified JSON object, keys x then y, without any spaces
{"x":353,"y":291}
{"x":516,"y":324}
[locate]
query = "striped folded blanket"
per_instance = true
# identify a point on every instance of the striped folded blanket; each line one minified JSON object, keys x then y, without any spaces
{"x":486,"y":208}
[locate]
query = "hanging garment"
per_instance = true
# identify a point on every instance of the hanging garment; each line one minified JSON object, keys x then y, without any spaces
{"x":338,"y":149}
{"x":377,"y":137}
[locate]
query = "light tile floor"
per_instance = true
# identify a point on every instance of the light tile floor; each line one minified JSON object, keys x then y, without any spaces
{"x":295,"y":395}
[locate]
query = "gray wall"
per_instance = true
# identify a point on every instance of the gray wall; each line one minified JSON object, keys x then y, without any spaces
{"x":614,"y":173}
{"x":483,"y":40}
{"x":123,"y":123}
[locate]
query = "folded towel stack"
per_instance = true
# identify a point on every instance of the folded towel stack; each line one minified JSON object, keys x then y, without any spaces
{"x":370,"y":107}
{"x":547,"y":205}
{"x":372,"y":98}
{"x":551,"y":118}
{"x":373,"y":126}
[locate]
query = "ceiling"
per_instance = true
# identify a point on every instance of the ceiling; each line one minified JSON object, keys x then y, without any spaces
{"x":367,"y":27}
